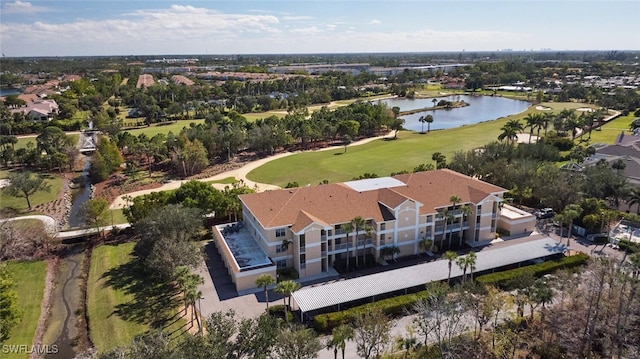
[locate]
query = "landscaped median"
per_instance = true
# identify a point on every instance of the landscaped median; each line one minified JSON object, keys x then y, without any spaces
{"x":29,"y":278}
{"x":121,"y":303}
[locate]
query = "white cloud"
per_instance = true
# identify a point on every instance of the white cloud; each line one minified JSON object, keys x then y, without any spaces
{"x":331,"y":26}
{"x":375,"y":22}
{"x":296,"y":18}
{"x":22,"y":7}
{"x":307,"y":31}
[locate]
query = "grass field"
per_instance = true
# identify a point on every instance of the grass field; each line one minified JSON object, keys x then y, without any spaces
{"x":174,"y":127}
{"x":19,"y":203}
{"x":384,"y":156}
{"x":610,"y":131}
{"x":118,"y":217}
{"x":29,"y":278}
{"x":121,"y":303}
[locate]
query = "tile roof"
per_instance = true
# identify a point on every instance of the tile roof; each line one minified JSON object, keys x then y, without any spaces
{"x":339,"y":203}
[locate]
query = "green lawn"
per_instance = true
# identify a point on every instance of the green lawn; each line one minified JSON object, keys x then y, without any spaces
{"x":609,"y":132}
{"x":19,"y":203}
{"x":383,"y":156}
{"x":174,"y":127}
{"x":122,"y":303}
{"x":227,"y":180}
{"x":29,"y":278}
{"x":118,"y":217}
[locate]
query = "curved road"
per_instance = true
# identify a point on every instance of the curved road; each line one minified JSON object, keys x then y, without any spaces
{"x":239,"y":174}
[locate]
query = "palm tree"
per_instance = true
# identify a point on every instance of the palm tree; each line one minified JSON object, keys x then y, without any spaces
{"x":422,"y":120}
{"x":358,"y":223}
{"x":445,"y":216}
{"x":461,"y":262}
{"x":434,"y":102}
{"x":429,"y":120}
{"x":546,"y":118}
{"x":465,"y":210}
{"x":450,"y":256}
{"x":264,"y":281}
{"x":571,"y":212}
{"x":471,"y":262}
{"x":633,"y":197}
{"x":426,"y":244}
{"x":286,"y":244}
{"x":510,"y":131}
{"x":286,"y":288}
{"x":454,"y":199}
{"x":181,"y":275}
{"x":339,"y":337}
{"x":347,"y":228}
{"x":534,"y":121}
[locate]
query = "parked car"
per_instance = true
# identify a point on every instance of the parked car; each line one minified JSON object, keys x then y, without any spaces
{"x":544,"y":213}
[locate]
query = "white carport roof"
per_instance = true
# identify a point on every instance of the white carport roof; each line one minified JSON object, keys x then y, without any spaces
{"x":323,"y":296}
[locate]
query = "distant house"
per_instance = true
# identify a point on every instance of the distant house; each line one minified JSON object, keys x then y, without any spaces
{"x":39,"y":110}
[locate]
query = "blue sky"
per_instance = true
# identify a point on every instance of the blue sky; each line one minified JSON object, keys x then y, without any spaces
{"x":149,"y":27}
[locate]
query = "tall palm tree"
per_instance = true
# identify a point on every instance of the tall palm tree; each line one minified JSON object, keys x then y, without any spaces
{"x":454,"y":199}
{"x":358,"y":224}
{"x":445,"y":216}
{"x":422,"y":120}
{"x":461,"y":262}
{"x":510,"y":131}
{"x":533,"y":121}
{"x":450,"y":256}
{"x":264,"y":281}
{"x":339,"y":337}
{"x":633,"y":197}
{"x":547,"y":117}
{"x":571,"y":212}
{"x":466,"y":211}
{"x":429,"y":120}
{"x":286,"y":244}
{"x":347,"y":228}
{"x":471,"y":262}
{"x":286,"y":288}
{"x":434,"y":102}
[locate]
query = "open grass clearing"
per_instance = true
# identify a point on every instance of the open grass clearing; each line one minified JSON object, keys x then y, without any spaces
{"x":122,"y":302}
{"x":20,"y":203}
{"x":165,"y":128}
{"x":382,"y":156}
{"x":227,"y":180}
{"x":608,"y":133}
{"x":116,"y":217}
{"x":30,"y":279}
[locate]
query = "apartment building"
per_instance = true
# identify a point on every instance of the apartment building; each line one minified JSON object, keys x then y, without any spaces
{"x":303,"y":227}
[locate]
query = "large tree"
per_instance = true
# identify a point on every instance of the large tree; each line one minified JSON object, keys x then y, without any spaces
{"x":372,"y":333}
{"x":166,"y":239}
{"x":297,"y":342}
{"x":25,"y":184}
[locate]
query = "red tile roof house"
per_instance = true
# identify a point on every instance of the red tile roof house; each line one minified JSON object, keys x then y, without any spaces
{"x":402,"y":210}
{"x":39,"y":110}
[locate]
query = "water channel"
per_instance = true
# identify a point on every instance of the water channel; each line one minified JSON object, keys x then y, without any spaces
{"x":480,"y":109}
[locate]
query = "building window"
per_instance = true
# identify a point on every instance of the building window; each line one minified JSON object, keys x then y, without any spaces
{"x":330,"y":233}
{"x":280,"y":232}
{"x":429,"y":218}
{"x":383,"y":226}
{"x":282,"y":263}
{"x":303,"y":261}
{"x":382,"y":240}
{"x":279,"y":248}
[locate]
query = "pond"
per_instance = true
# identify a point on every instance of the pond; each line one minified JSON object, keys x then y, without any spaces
{"x":480,"y":109}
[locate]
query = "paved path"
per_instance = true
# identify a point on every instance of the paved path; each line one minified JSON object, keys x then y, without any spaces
{"x":50,"y":224}
{"x":239,"y":174}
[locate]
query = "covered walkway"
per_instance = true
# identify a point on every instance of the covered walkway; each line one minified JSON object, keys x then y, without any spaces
{"x":330,"y":296}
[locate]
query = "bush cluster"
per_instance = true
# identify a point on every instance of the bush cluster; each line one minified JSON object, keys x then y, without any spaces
{"x":628,"y":246}
{"x":508,"y":280}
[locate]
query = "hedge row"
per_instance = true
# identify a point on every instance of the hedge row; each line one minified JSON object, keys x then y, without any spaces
{"x":508,"y":280}
{"x":395,"y":306}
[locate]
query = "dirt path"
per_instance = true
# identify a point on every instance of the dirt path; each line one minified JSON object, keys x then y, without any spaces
{"x":239,"y":174}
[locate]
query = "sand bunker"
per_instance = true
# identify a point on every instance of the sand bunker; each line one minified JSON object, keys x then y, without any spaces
{"x":585,"y":109}
{"x":543,"y":108}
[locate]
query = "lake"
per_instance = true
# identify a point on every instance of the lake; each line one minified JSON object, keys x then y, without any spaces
{"x":480,"y":109}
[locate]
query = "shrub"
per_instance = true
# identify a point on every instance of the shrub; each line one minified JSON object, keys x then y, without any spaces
{"x":395,"y":306}
{"x":507,"y":280}
{"x":628,"y":246}
{"x":278,"y":312}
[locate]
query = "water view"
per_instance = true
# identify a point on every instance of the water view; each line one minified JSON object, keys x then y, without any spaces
{"x":480,"y":109}
{"x":6,"y":91}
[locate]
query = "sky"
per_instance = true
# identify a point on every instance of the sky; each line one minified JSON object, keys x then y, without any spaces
{"x":150,"y":27}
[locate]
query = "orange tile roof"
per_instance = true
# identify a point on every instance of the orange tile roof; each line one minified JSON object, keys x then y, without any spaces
{"x":338,"y":203}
